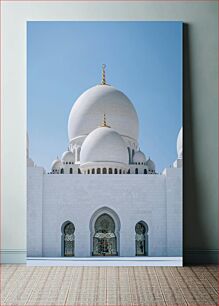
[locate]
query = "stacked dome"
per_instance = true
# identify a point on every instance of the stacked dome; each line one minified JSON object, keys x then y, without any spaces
{"x":109,"y":148}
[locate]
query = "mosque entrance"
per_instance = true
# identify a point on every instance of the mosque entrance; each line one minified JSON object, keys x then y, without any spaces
{"x":104,"y":239}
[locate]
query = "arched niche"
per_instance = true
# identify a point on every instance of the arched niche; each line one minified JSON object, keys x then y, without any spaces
{"x":67,"y":239}
{"x":141,"y":239}
{"x":104,"y":237}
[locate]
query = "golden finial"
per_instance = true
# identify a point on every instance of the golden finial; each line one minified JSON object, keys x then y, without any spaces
{"x":104,"y":124}
{"x":103,"y":75}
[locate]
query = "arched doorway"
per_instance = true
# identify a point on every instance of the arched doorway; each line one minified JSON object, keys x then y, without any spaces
{"x":104,"y":238}
{"x":68,"y":230}
{"x":141,"y":239}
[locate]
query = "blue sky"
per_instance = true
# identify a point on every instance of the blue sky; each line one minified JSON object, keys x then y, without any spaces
{"x":144,"y":60}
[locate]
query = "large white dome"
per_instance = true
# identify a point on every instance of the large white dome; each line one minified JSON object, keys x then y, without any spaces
{"x":104,"y":145}
{"x":88,"y":110}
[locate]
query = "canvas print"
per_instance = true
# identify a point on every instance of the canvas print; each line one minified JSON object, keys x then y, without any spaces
{"x":104,"y":143}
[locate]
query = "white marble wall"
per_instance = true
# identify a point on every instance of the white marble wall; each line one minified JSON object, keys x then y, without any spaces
{"x":154,"y":199}
{"x":35,"y":190}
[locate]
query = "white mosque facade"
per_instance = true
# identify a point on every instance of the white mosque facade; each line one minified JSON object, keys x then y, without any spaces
{"x":104,"y":197}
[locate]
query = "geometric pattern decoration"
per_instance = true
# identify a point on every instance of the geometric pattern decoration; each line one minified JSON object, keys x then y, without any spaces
{"x":69,"y":239}
{"x":104,"y":239}
{"x":141,"y":239}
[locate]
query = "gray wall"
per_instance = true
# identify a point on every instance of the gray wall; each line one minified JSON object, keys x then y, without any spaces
{"x":200,"y":111}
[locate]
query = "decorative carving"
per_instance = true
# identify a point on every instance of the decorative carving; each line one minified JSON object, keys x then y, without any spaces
{"x":104,"y":240}
{"x":69,"y":239}
{"x":140,"y":239}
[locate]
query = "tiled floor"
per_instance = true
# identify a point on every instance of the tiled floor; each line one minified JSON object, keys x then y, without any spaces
{"x":23,"y":285}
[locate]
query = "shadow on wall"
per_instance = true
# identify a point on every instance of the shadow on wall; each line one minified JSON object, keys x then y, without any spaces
{"x":193,"y":230}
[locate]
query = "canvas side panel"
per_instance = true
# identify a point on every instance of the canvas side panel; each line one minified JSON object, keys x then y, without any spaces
{"x":174,"y":211}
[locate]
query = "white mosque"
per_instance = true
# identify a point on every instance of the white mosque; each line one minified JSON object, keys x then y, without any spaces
{"x":104,"y":197}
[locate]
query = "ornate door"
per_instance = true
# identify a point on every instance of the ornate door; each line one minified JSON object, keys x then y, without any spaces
{"x":104,"y":239}
{"x":69,"y":239}
{"x":141,"y":239}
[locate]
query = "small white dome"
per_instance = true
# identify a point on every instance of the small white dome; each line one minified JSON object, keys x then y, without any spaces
{"x":88,"y":109}
{"x":180,"y":144}
{"x":150,"y":164}
{"x":104,"y":145}
{"x":139,"y":157}
{"x":56,"y":164}
{"x":30,"y":162}
{"x":68,"y":156}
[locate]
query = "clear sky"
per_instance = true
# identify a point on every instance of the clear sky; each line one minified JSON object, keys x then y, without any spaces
{"x":144,"y":60}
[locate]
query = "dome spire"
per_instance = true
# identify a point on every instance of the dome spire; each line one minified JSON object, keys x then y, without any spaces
{"x":104,"y":124}
{"x":103,"y":82}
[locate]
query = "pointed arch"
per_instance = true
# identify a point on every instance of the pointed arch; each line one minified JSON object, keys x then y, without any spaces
{"x":67,"y":239}
{"x":141,"y":239}
{"x":111,"y":234}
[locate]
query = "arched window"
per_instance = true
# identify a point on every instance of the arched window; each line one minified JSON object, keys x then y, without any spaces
{"x":71,"y":171}
{"x":68,"y":230}
{"x":115,"y":171}
{"x":79,"y":171}
{"x":136,"y":170}
{"x":128,"y":172}
{"x":98,"y":170}
{"x":110,"y":171}
{"x":88,"y":171}
{"x":145,"y":171}
{"x":93,"y":171}
{"x":141,"y":239}
{"x":104,"y":239}
{"x":62,"y":171}
{"x":104,"y":170}
{"x":133,"y":153}
{"x":120,"y":171}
